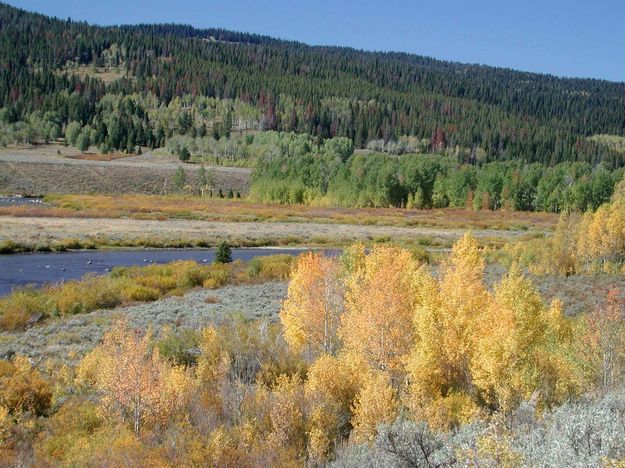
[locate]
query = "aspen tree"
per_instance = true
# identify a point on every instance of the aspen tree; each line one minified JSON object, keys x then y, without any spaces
{"x":311,"y":313}
{"x":380,"y":300}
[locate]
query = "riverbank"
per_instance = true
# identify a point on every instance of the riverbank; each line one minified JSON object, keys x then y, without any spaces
{"x":22,"y":234}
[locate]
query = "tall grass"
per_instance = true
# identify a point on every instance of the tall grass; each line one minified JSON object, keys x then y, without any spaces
{"x":126,"y":285}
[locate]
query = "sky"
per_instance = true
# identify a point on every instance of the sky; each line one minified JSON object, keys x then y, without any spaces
{"x":576,"y":38}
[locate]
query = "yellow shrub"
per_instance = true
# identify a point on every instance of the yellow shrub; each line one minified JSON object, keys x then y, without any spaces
{"x":75,"y":421}
{"x":217,"y":278}
{"x":25,"y":389}
{"x":17,"y":309}
{"x":273,"y":267}
{"x":448,"y":412}
{"x":87,"y":295}
{"x":137,"y":292}
{"x":163,"y":284}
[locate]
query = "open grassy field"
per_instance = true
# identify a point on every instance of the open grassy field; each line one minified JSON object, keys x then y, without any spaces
{"x":43,"y":169}
{"x":215,"y":209}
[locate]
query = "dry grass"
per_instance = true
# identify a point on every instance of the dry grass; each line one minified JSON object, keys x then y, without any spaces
{"x":106,"y":75}
{"x":98,"y":156}
{"x":176,"y":207}
{"x":108,"y":177}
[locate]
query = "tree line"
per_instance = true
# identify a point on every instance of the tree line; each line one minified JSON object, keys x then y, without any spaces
{"x":330,"y":172}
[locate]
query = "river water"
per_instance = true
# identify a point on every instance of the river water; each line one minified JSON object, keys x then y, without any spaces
{"x":18,"y":270}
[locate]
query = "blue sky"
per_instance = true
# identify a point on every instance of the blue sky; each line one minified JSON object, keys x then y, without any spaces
{"x":566,"y":38}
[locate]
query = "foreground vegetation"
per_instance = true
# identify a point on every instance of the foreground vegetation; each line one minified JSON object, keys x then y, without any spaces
{"x":126,"y":285}
{"x":374,"y":361}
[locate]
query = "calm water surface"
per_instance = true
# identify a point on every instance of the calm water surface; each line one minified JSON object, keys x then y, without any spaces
{"x":18,"y":270}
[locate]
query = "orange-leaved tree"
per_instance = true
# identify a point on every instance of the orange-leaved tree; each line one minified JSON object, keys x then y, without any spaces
{"x":135,"y":384}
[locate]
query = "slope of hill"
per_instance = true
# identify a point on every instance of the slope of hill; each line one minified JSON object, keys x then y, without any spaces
{"x":488,"y":113}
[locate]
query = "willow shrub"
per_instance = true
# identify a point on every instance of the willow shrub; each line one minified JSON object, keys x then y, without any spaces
{"x":125,"y":285}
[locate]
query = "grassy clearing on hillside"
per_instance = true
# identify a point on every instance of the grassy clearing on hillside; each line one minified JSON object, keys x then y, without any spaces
{"x":126,"y":285}
{"x":614,"y":142}
{"x":107,"y":75}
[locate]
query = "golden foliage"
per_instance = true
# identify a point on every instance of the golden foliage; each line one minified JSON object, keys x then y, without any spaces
{"x":310,"y":314}
{"x":136,"y":385}
{"x":513,"y":339}
{"x":603,"y":344}
{"x":288,"y":426}
{"x":445,"y":323}
{"x":330,"y":390}
{"x":379,"y":304}
{"x":375,"y":404}
{"x":480,"y":351}
{"x":23,"y":389}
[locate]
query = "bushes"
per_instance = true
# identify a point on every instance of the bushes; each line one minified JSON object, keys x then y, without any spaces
{"x":132,"y":284}
{"x":217,"y":277}
{"x":139,"y":293}
{"x":274,"y":267}
{"x":24,"y":389}
{"x":87,"y":295}
{"x":179,"y":346}
{"x":21,"y":308}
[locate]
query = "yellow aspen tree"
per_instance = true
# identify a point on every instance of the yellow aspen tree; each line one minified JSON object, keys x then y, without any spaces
{"x":445,"y":320}
{"x":511,"y":332}
{"x":330,"y":389}
{"x":598,"y":236}
{"x":560,"y":364}
{"x":380,"y":300}
{"x":583,"y":247}
{"x":353,"y":258}
{"x":134,"y":382}
{"x":375,"y":404}
{"x":616,"y":231}
{"x":604,"y":342}
{"x":310,"y":315}
{"x":563,"y":258}
{"x":288,"y":427}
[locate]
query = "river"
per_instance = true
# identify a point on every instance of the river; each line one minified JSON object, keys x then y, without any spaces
{"x":18,"y":270}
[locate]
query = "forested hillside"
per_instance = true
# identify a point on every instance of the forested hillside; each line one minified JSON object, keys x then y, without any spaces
{"x":120,"y":87}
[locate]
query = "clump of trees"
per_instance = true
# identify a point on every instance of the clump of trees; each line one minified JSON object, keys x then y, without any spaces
{"x":332,"y":174}
{"x":374,"y":359}
{"x":588,"y":243}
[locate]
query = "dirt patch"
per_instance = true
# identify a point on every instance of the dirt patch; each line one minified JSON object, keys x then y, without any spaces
{"x":98,"y":156}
